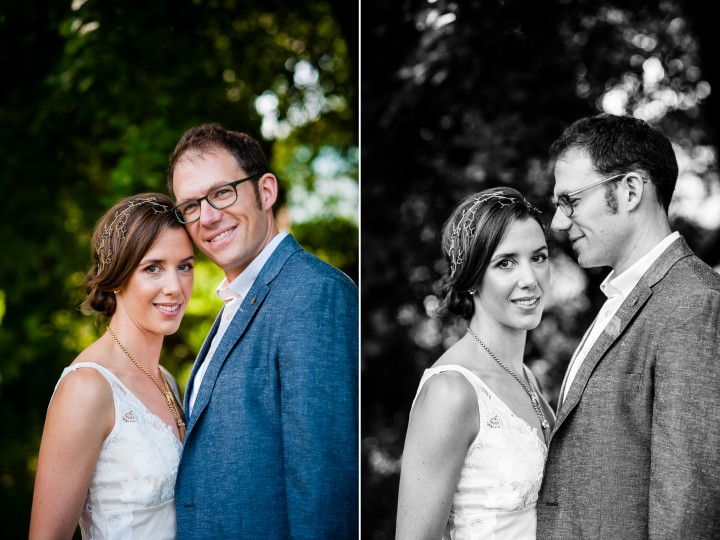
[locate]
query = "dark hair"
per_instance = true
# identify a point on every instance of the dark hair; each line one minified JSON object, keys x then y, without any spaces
{"x":207,"y":138}
{"x":121,"y":239}
{"x":620,"y":144}
{"x":469,"y":238}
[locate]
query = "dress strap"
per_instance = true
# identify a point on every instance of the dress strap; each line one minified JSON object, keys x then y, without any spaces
{"x":480,"y":387}
{"x":105,"y":371}
{"x":172,"y":382}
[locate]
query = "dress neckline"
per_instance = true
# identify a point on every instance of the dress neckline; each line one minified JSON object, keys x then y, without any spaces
{"x":129,"y":392}
{"x":494,"y":395}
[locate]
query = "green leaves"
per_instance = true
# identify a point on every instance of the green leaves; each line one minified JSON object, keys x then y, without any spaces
{"x":99,"y":95}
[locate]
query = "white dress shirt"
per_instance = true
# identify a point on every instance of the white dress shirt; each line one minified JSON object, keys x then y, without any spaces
{"x":233,"y":295}
{"x":616,"y":288}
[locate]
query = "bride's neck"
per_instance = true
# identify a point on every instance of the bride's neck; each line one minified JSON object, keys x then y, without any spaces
{"x":507,"y":344}
{"x":144,"y":347}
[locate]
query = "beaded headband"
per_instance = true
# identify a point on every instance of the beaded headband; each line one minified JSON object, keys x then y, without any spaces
{"x":467,"y":224}
{"x":117,"y":226}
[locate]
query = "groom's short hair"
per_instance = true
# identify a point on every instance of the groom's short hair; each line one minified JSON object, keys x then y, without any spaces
{"x":209,"y":137}
{"x":620,"y":144}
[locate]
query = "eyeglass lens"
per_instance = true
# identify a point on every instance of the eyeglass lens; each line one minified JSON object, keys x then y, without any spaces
{"x":565,"y":205}
{"x":219,"y":198}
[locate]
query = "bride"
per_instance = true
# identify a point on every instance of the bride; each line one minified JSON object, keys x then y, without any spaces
{"x":477,"y":437}
{"x":113,"y":433}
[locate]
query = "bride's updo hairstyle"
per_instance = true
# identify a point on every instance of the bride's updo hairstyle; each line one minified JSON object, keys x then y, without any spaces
{"x":121,"y":239}
{"x":470,"y":237}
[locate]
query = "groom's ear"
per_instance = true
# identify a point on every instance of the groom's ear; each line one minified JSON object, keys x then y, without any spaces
{"x":267,"y":190}
{"x":634,"y":190}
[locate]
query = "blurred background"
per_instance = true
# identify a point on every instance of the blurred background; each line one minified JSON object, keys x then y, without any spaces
{"x":461,"y":95}
{"x":94,"y":98}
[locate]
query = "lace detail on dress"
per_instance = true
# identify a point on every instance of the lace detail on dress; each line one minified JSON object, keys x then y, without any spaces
{"x":500,"y":479}
{"x":494,"y":423}
{"x":132,"y":491}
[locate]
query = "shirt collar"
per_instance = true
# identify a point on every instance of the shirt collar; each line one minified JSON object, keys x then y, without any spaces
{"x":240,"y":286}
{"x":622,"y":284}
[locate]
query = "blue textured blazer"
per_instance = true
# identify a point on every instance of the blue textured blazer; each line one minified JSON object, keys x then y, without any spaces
{"x":271,"y":449}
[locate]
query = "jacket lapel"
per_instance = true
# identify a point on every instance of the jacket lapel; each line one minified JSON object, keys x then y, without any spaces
{"x":619,"y":323}
{"x":250,"y":305}
{"x":615,"y":327}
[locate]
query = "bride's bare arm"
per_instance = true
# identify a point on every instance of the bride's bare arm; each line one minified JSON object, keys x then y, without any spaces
{"x":79,"y":418}
{"x":443,"y":423}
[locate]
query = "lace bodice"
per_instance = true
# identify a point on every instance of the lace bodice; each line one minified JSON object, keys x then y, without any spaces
{"x":497,"y":493}
{"x":132,"y":491}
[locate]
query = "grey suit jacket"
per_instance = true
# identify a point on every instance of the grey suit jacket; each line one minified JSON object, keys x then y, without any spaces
{"x":635,"y":452}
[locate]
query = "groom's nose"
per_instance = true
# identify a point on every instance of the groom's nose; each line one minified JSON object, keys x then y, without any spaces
{"x":208,"y":214}
{"x":560,"y":221}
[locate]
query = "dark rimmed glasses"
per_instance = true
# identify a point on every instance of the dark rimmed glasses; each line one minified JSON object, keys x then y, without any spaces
{"x":566,"y":204}
{"x":219,"y":198}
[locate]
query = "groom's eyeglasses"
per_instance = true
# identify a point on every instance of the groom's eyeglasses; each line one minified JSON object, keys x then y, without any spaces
{"x":219,"y":198}
{"x":567,"y":204}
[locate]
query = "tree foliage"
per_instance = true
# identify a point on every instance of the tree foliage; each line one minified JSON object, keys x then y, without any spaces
{"x":461,"y":96}
{"x":96,"y":95}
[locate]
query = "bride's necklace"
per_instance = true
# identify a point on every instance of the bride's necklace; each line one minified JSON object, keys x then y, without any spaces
{"x":527,"y":387}
{"x":169,"y":397}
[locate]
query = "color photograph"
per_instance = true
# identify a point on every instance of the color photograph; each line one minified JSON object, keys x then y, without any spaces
{"x":179,"y":289}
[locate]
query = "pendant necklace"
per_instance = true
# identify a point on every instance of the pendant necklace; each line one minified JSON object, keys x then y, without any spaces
{"x":527,"y":387}
{"x":169,"y":397}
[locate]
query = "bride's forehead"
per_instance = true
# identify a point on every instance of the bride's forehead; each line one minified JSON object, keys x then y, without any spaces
{"x":522,"y":233}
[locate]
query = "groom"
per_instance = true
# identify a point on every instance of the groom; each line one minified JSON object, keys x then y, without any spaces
{"x":271,"y":404}
{"x":635,"y":452}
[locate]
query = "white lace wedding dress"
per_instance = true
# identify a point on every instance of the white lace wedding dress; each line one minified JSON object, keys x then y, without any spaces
{"x":497,"y":493}
{"x":132,"y":491}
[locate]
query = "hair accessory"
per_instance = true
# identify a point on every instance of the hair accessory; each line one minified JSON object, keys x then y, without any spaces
{"x":467,"y":224}
{"x":117,"y":226}
{"x":531,"y":207}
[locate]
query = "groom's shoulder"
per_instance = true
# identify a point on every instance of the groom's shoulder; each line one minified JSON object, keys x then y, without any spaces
{"x":304,"y":267}
{"x":691,"y":274}
{"x":702,"y":273}
{"x":689,"y":286}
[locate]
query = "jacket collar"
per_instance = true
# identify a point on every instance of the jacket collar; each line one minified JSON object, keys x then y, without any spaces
{"x":616,"y":326}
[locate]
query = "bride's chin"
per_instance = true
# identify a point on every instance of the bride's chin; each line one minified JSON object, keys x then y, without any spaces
{"x":528,"y":325}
